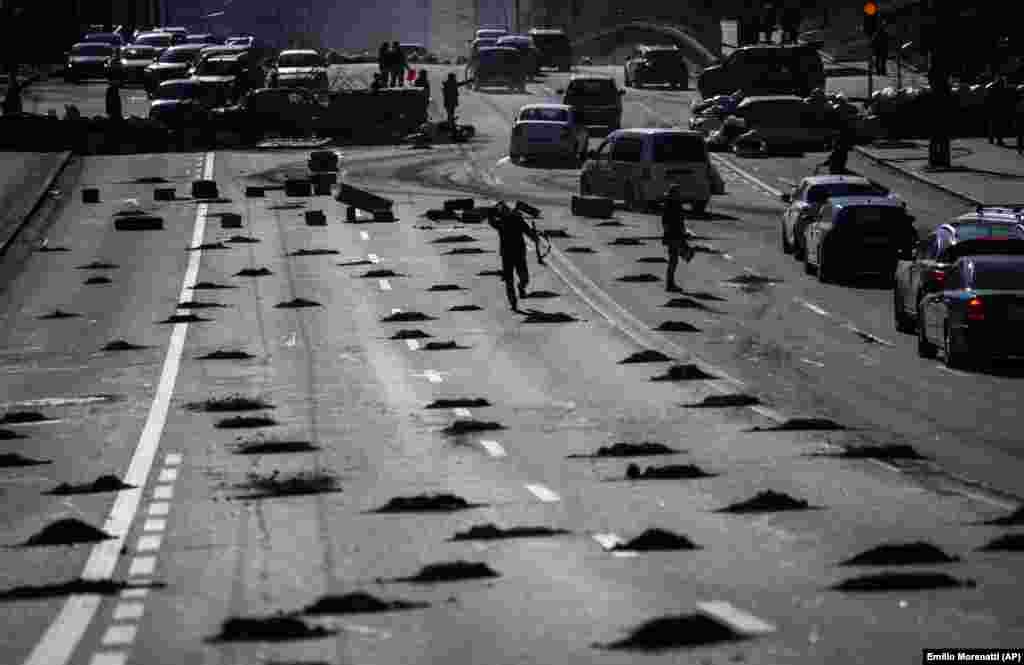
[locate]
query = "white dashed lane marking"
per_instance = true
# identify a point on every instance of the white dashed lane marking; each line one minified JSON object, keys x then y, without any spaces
{"x":543,"y":493}
{"x":119,"y":636}
{"x":413,"y":344}
{"x":385,"y":285}
{"x":135,"y":593}
{"x":462,"y":412}
{"x":364,"y":235}
{"x":159,"y":508}
{"x":142,"y":566}
{"x":493,"y":448}
{"x":109,"y":658}
{"x":811,"y":306}
{"x":163,"y":493}
{"x":433,"y":376}
{"x":741,"y":622}
{"x":154,"y":525}
{"x":149,"y":543}
{"x":172,"y":459}
{"x":167,"y":476}
{"x":128,"y":611}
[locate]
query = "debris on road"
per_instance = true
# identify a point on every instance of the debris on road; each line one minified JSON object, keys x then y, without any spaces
{"x":381,"y":272}
{"x":297,"y":303}
{"x":314,"y":252}
{"x":122,"y":345}
{"x":401,"y":317}
{"x":465,"y":308}
{"x":902,"y":582}
{"x":426,"y":503}
{"x":59,"y":314}
{"x":629,"y":242}
{"x":670,"y":472}
{"x":579,"y":250}
{"x":68,"y":531}
{"x":542,"y":294}
{"x":490,"y":273}
{"x":766,"y":501}
{"x":802,"y":425}
{"x":652,"y":259}
{"x":410,"y":334}
{"x":278,"y":628}
{"x":452,"y":572}
{"x":184,"y":318}
{"x":1011,"y":542}
{"x":273,"y":447}
{"x":243,"y":422}
{"x":98,"y":279}
{"x":671,"y":632}
{"x":677,"y":326}
{"x":901,"y":554}
{"x":703,"y":295}
{"x":226,"y":355}
{"x":295,"y":484}
{"x":235,"y":402}
{"x":52,"y":248}
{"x":22,"y":417}
{"x":134,"y":222}
{"x":446,"y":287}
{"x":443,"y":346}
{"x":98,"y":265}
{"x":359,"y":602}
{"x":889,"y":451}
{"x":623,"y":449}
{"x":458,"y":403}
{"x":645,"y":356}
{"x":10,"y":435}
{"x":653,"y":540}
{"x":493,"y":532}
{"x":205,"y":189}
{"x":688,"y":372}
{"x":105,"y":483}
{"x":733,"y":399}
{"x":74,"y":587}
{"x":686,"y":303}
{"x":90,"y":195}
{"x":549,"y":317}
{"x":469,"y":426}
{"x":211,"y":286}
{"x":13,"y":460}
{"x":208,"y":246}
{"x":253,"y":272}
{"x":643,"y":277}
{"x":243,"y":240}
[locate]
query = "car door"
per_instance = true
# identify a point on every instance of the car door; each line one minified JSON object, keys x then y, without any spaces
{"x":946,"y":302}
{"x":625,"y":162}
{"x":792,"y":210}
{"x":600,"y":173}
{"x":913,"y":281}
{"x":934,"y":245}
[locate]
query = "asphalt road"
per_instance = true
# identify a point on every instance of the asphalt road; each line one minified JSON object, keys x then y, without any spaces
{"x":334,"y":380}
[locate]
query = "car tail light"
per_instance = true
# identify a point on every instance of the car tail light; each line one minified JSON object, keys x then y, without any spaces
{"x":938,"y":277}
{"x":975,"y":309}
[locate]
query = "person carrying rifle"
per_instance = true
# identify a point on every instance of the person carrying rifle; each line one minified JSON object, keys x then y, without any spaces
{"x":673,"y":222}
{"x":512,"y":231}
{"x":450,"y":93}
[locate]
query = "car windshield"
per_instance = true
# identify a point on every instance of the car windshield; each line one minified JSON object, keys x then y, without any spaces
{"x":869,"y":215}
{"x":999,"y":276}
{"x":138,"y":54}
{"x":178,"y":56}
{"x":178,"y":90}
{"x":594,"y":89}
{"x":679,"y":148}
{"x":299,"y":60}
{"x":91,"y":49}
{"x":214,"y":67}
{"x":545,"y":114}
{"x":160,"y":41}
{"x":818,"y":193}
{"x":972,"y":231}
{"x":663,"y":56}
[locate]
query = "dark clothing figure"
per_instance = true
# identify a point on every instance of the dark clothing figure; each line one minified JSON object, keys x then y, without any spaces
{"x":12,"y":100}
{"x":880,"y":49}
{"x":450,"y":94}
{"x":423,"y":82}
{"x":398,"y":65}
{"x":1018,"y":121}
{"x":673,"y":223}
{"x":768,"y":22}
{"x":790,"y":24}
{"x":998,"y":109}
{"x":114,"y":101}
{"x":384,"y":59}
{"x":837,"y":159}
{"x":379,"y":82}
{"x":512,"y":233}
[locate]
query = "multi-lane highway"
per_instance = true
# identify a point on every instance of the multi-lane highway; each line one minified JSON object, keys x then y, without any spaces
{"x":226,"y":523}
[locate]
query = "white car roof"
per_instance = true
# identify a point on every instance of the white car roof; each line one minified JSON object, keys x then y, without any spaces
{"x":836,"y":180}
{"x":852,"y":201}
{"x":650,"y":131}
{"x":303,"y":51}
{"x":559,"y":107}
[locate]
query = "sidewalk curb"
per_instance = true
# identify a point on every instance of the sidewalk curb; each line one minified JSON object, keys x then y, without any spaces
{"x":917,"y":176}
{"x":39,"y":197}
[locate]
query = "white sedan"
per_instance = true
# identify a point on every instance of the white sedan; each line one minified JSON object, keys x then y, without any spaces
{"x":547,"y":130}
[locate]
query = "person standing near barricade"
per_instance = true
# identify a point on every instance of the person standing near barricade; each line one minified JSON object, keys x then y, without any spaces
{"x":995,"y":109}
{"x":383,"y":53}
{"x":114,"y":101}
{"x":673,"y":223}
{"x":450,"y":94}
{"x":512,"y":233}
{"x":399,"y":65}
{"x":880,"y":48}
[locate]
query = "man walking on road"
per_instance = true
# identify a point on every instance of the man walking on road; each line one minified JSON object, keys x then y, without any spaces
{"x":398,"y":65}
{"x":114,"y":101}
{"x":880,"y":48}
{"x":512,"y":233}
{"x":673,"y":223}
{"x":450,"y":94}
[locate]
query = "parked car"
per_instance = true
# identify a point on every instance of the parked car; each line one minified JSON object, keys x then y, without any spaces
{"x":490,"y":33}
{"x":181,"y":103}
{"x":555,"y":49}
{"x":547,"y":130}
{"x":476,"y":45}
{"x":281,"y":111}
{"x":174,"y":63}
{"x":178,"y":34}
{"x":111,"y":38}
{"x":656,"y":64}
{"x":596,"y":100}
{"x":527,"y":50}
{"x":159,"y":40}
{"x":638,"y":165}
{"x":924,"y":271}
{"x":765,"y":70}
{"x":806,"y":199}
{"x":88,"y":60}
{"x":979,"y":313}
{"x":299,"y":67}
{"x":858,"y":235}
{"x":773,"y":125}
{"x":413,"y":52}
{"x":227,"y":76}
{"x":129,"y":66}
{"x":498,"y":66}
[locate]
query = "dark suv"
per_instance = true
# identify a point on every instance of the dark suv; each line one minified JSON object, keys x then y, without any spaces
{"x":595,"y":100}
{"x":761,"y":70}
{"x":554,"y":47}
{"x":656,"y":64}
{"x":498,"y":66}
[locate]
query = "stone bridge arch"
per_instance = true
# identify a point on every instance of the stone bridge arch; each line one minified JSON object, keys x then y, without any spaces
{"x":700,"y":44}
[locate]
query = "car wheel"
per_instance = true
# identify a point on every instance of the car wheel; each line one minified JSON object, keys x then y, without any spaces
{"x":638,"y":84}
{"x":787,"y":248}
{"x":904,"y":323}
{"x":954,"y":359}
{"x":808,"y":268}
{"x":925,"y":349}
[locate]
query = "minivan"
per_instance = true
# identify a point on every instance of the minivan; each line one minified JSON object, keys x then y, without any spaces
{"x":638,"y":165}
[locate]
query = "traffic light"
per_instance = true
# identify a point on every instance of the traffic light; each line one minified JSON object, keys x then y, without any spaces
{"x":870,"y":18}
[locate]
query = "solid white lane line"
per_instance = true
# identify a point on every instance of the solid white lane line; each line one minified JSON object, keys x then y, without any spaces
{"x":864,"y":333}
{"x":396,"y":310}
{"x":150,"y":543}
{"x":771,"y":414}
{"x":373,"y":258}
{"x":811,"y":306}
{"x":740,"y":621}
{"x":462,"y":412}
{"x":136,"y":593}
{"x":128,"y":611}
{"x":119,"y":635}
{"x":385,"y":285}
{"x":543,"y":493}
{"x":159,"y":508}
{"x":757,"y":181}
{"x":953,"y":372}
{"x":364,"y":235}
{"x":58,"y":643}
{"x":142,"y":565}
{"x":493,"y":448}
{"x":608,"y":540}
{"x":109,"y":658}
{"x":163,"y":492}
{"x":154,"y":525}
{"x":1005,"y":505}
{"x":413,"y":344}
{"x":812,"y":362}
{"x":167,"y":476}
{"x":172,"y":459}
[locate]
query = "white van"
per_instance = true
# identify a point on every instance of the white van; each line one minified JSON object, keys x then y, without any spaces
{"x":638,"y":165}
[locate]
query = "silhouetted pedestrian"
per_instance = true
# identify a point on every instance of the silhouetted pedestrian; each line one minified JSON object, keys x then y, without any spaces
{"x":398,"y":65}
{"x":383,"y":57}
{"x":512,"y":231}
{"x":790,"y":24}
{"x":997,"y":109}
{"x":423,"y":82}
{"x":880,"y":48}
{"x":673,"y":223}
{"x":12,"y":100}
{"x":768,"y":19}
{"x":837,"y":159}
{"x":114,"y":101}
{"x":1018,"y":121}
{"x":450,"y":94}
